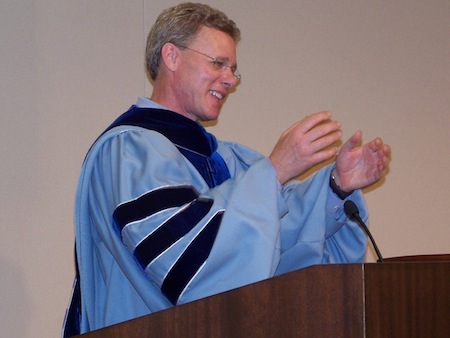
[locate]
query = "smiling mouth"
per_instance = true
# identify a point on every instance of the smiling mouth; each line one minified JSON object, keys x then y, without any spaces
{"x":217,"y":95}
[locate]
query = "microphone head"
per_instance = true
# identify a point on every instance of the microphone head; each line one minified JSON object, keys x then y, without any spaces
{"x":350,"y":208}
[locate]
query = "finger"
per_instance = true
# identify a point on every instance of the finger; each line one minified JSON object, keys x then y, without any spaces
{"x":383,"y":151}
{"x":309,"y":122}
{"x":386,"y":150}
{"x":325,"y":140}
{"x":313,"y":127}
{"x":376,"y":144}
{"x":324,"y":129}
{"x":324,"y":155}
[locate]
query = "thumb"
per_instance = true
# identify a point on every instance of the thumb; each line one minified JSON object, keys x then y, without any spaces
{"x":353,"y":142}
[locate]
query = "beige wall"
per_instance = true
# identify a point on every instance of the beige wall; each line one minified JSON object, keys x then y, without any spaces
{"x":69,"y":67}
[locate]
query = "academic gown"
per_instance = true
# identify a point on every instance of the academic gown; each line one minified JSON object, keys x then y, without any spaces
{"x":166,"y":214}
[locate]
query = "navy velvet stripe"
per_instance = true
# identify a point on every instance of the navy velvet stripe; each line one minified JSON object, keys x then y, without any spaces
{"x":177,"y":128}
{"x":191,"y":260}
{"x":152,"y":202}
{"x":213,"y":169}
{"x":171,"y":231}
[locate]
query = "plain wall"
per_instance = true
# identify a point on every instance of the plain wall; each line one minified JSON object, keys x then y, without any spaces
{"x":68,"y":68}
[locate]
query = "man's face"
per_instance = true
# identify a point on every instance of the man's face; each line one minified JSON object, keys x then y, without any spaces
{"x":200,"y":87}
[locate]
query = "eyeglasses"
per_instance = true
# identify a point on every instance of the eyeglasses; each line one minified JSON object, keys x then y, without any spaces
{"x":219,"y":65}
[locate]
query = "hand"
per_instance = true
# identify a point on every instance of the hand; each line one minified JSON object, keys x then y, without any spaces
{"x":305,"y":144}
{"x":360,"y":166}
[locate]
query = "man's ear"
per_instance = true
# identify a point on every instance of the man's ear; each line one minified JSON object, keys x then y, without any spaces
{"x":169,"y":56}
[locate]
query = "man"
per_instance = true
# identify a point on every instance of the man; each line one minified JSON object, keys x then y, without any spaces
{"x":166,"y":214}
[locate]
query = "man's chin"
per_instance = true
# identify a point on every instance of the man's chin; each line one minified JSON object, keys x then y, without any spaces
{"x":212,"y":114}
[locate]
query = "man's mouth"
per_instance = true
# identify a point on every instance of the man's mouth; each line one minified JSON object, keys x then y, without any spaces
{"x":216,"y":94}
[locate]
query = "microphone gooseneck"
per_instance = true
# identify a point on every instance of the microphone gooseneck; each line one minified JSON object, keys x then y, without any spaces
{"x":352,"y":212}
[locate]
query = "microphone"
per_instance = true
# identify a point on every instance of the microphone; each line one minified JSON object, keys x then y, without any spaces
{"x":351,"y":210}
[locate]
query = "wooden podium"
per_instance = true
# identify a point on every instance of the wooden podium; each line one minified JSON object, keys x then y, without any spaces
{"x":405,"y":297}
